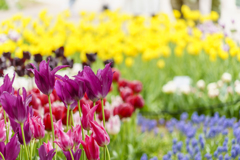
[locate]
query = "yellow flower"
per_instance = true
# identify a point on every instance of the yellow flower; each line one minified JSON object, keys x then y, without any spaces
{"x":129,"y":61}
{"x":161,"y":63}
{"x":176,"y":13}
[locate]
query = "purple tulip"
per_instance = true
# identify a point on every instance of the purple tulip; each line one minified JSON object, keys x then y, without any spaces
{"x":75,"y":89}
{"x":11,"y":150}
{"x":17,"y":129}
{"x":76,"y":155}
{"x":7,"y":85}
{"x":97,"y":85}
{"x":46,"y":154}
{"x":17,"y":107}
{"x":99,"y":134}
{"x":65,"y":93}
{"x":45,"y":78}
{"x":87,"y":116}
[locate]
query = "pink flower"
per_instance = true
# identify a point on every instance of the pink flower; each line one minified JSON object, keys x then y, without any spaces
{"x":2,"y":131}
{"x":87,"y":116}
{"x":57,"y":127}
{"x":37,"y":127}
{"x":77,"y":135}
{"x":48,"y":146}
{"x":65,"y":140}
{"x":99,"y":134}
{"x":91,"y":148}
{"x":113,"y":125}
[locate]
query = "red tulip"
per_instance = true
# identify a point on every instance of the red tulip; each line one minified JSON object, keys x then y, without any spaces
{"x":136,"y":86}
{"x":135,"y":100}
{"x":125,"y":92}
{"x":124,"y":110}
{"x":47,"y":122}
{"x":116,"y":75}
{"x":122,"y":83}
{"x":44,"y":99}
{"x":106,"y":114}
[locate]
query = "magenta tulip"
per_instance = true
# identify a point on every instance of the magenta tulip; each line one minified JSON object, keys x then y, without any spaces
{"x":87,"y":116}
{"x":37,"y":127}
{"x":57,"y":128}
{"x":65,"y":140}
{"x":99,"y":134}
{"x":7,"y":85}
{"x":77,"y":135}
{"x":46,"y":153}
{"x":76,"y":155}
{"x":91,"y":148}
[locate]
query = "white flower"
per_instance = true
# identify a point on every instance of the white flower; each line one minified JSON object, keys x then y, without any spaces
{"x":113,"y":125}
{"x":212,"y":86}
{"x":185,"y":89}
{"x":213,"y":93}
{"x":226,"y":77}
{"x":237,"y":89}
{"x":201,"y":84}
{"x":170,"y":87}
{"x":13,"y":35}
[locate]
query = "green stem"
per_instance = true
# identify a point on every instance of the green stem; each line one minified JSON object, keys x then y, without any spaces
{"x":88,"y":133}
{"x":67,"y":115}
{"x":20,"y":154}
{"x":83,"y":137}
{"x":50,"y":109}
{"x":2,"y":156}
{"x":104,"y":153}
{"x":6,"y":125}
{"x":94,"y":112}
{"x":79,"y":110}
{"x":103,"y":113}
{"x":72,"y":117}
{"x":108,"y":153}
{"x":71,"y":154}
{"x":25,"y":146}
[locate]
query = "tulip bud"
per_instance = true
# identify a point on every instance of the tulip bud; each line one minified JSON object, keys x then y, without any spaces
{"x":48,"y":146}
{"x":99,"y":134}
{"x":122,"y":83}
{"x":37,"y":127}
{"x":124,"y":110}
{"x":46,"y":151}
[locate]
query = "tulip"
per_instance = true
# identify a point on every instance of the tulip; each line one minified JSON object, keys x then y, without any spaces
{"x":48,"y":146}
{"x":7,"y":85}
{"x":124,"y":110}
{"x":57,"y":128}
{"x":16,"y":107}
{"x":45,"y":78}
{"x":65,"y":92}
{"x":125,"y":92}
{"x":2,"y":131}
{"x":11,"y":150}
{"x":76,"y":155}
{"x":97,"y":85}
{"x":65,"y":140}
{"x":87,"y":116}
{"x":99,"y":134}
{"x":46,"y":153}
{"x":17,"y":129}
{"x":109,"y":61}
{"x":106,"y":114}
{"x":116,"y":75}
{"x":47,"y":122}
{"x":136,"y":86}
{"x":77,"y":135}
{"x":113,"y":125}
{"x":136,"y":100}
{"x":37,"y":127}
{"x":122,"y":83}
{"x":91,"y":148}
{"x":91,"y":57}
